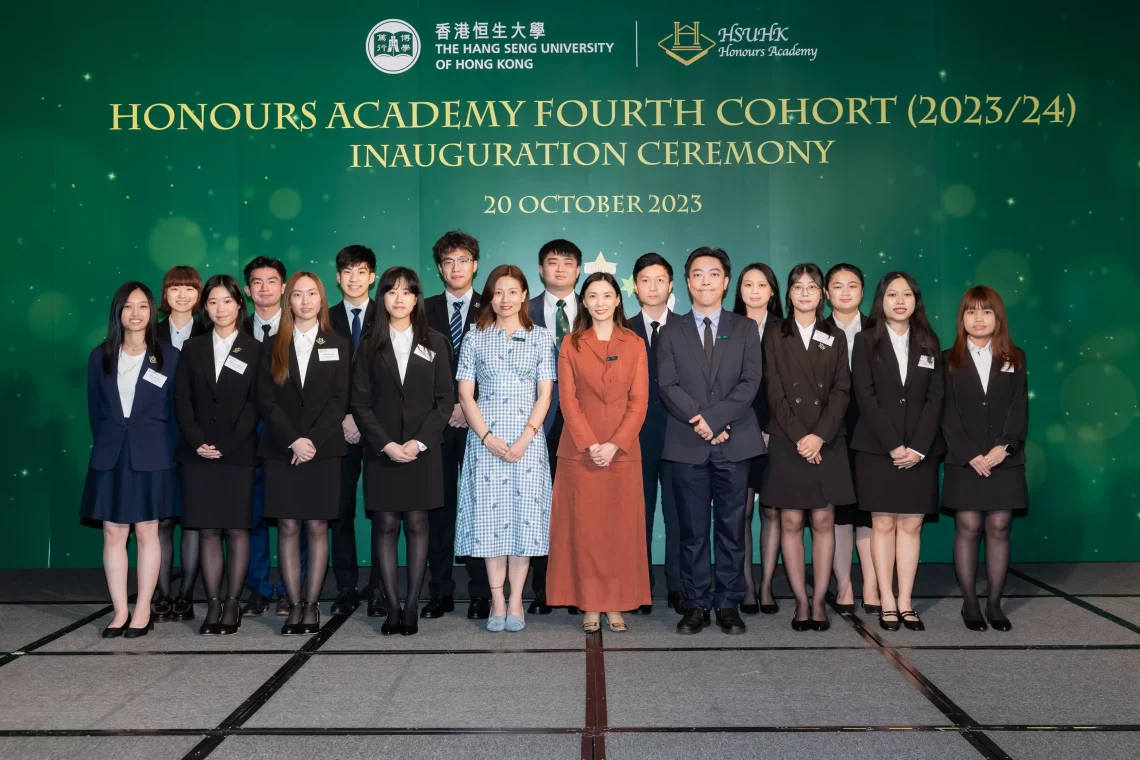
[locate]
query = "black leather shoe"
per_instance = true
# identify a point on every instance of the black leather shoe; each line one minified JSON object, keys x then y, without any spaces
{"x":207,"y":628}
{"x":729,"y":620}
{"x":282,"y":606}
{"x":999,"y":623}
{"x":438,"y":606}
{"x":346,"y":602}
{"x":114,"y":633}
{"x":677,"y":601}
{"x":255,"y":606}
{"x":769,"y":609}
{"x":183,"y":608}
{"x":161,"y":608}
{"x":135,"y":633}
{"x":409,"y":629}
{"x":913,"y":623}
{"x":845,"y":609}
{"x":820,"y":625}
{"x":645,"y":609}
{"x":799,"y":626}
{"x":694,"y":621}
{"x":889,"y":620}
{"x":750,"y":605}
{"x":376,"y":607}
{"x":974,"y":622}
{"x":227,"y":629}
{"x":393,"y":625}
{"x":479,"y":609}
{"x":306,"y":629}
{"x":539,"y":606}
{"x":572,"y":610}
{"x":872,"y":609}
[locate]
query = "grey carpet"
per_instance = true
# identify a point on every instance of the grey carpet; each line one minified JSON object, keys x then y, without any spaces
{"x":1037,"y":688}
{"x":724,"y":746}
{"x":483,"y":690}
{"x":96,"y":747}
{"x":660,"y":630}
{"x":1048,"y":620}
{"x":433,"y":747}
{"x":1088,"y":577}
{"x":557,"y":630}
{"x":845,"y":688}
{"x":938,"y":579}
{"x":1126,"y":608}
{"x":1068,"y":745}
{"x":21,"y":625}
{"x":159,"y":691}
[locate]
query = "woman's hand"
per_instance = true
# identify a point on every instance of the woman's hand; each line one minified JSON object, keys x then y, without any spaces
{"x":497,"y":446}
{"x":603,"y":453}
{"x":907,"y":460}
{"x":996,"y":456}
{"x":981,"y":465}
{"x":207,"y":451}
{"x":809,"y":447}
{"x":303,"y":450}
{"x":518,"y":448}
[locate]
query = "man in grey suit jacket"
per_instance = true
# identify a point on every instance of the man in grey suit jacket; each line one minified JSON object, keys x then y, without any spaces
{"x":709,"y":370}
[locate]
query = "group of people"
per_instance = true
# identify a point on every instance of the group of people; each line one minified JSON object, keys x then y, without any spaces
{"x":531,"y":435}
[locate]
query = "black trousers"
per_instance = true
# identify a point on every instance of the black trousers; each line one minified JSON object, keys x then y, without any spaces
{"x":441,"y":527}
{"x":538,"y":564}
{"x":344,"y":559}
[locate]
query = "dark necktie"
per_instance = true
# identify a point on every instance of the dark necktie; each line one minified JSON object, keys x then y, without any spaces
{"x":653,"y":342}
{"x":355,"y":328}
{"x":561,"y":323}
{"x":708,"y":340}
{"x":456,"y":326}
{"x":265,"y":333}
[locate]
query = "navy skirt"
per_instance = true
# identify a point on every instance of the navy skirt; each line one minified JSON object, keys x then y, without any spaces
{"x":126,"y":496}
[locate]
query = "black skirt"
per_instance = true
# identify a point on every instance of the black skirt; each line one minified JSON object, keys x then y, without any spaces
{"x":850,"y":514}
{"x":127,"y":496}
{"x":216,"y":495}
{"x":882,"y":487}
{"x":795,"y":483}
{"x":965,"y":490}
{"x":403,"y":487}
{"x":309,"y":491}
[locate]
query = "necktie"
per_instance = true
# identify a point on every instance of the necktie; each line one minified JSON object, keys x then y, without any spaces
{"x":265,"y":333}
{"x":456,"y":326}
{"x":708,"y":340}
{"x":653,"y":342}
{"x":561,"y":323}
{"x":355,"y":328}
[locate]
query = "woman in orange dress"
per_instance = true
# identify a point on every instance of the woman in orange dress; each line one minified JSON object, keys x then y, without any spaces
{"x":597,"y":518}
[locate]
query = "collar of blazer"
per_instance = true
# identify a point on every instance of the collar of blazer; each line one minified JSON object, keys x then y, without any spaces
{"x":320,"y":342}
{"x":111,"y":385}
{"x":605,"y":349}
{"x":913,"y":354}
{"x":817,"y":353}
{"x":243,"y":349}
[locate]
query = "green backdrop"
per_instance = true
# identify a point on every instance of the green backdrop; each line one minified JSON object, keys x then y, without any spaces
{"x":1026,"y":180}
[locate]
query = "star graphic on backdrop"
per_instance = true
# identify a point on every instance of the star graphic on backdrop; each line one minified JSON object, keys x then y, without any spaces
{"x":627,"y":285}
{"x":1010,"y":201}
{"x":942,"y":75}
{"x":86,"y":77}
{"x":600,"y":265}
{"x":111,"y":176}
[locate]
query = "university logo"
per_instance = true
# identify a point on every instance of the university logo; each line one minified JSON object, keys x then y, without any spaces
{"x":393,"y":46}
{"x":686,"y":44}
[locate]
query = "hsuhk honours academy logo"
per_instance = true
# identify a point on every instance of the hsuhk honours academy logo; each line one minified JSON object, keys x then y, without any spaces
{"x":686,"y":44}
{"x":393,"y":46}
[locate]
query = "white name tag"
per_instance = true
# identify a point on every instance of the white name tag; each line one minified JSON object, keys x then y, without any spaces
{"x":237,"y":365}
{"x":328,"y":354}
{"x":1007,"y":367}
{"x":426,"y":353}
{"x":926,"y":362}
{"x":155,"y":378}
{"x":823,"y":338}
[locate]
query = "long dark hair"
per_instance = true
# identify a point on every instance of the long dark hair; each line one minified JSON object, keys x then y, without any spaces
{"x":486,"y":316}
{"x":583,"y":321}
{"x":378,"y":336}
{"x":775,"y":309}
{"x":230,"y":283}
{"x":113,"y":343}
{"x":1001,"y":345}
{"x":798,"y":271}
{"x":921,"y":334}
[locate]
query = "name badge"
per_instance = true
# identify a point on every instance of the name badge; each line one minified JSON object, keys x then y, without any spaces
{"x":155,"y":378}
{"x":519,"y":338}
{"x":926,"y":362}
{"x":237,"y":365}
{"x":611,"y":358}
{"x":723,"y":337}
{"x":1007,"y":367}
{"x":823,"y":338}
{"x":426,"y":353}
{"x":328,"y":354}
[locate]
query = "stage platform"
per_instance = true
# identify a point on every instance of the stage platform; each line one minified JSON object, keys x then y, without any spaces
{"x":1065,"y":683}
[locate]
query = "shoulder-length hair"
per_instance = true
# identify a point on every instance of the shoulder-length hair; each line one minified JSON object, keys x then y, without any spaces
{"x":180,"y":275}
{"x":378,"y":337}
{"x":1001,"y":345}
{"x":113,"y":343}
{"x":798,"y":271}
{"x":284,"y":339}
{"x":487,"y":311}
{"x":231,"y":286}
{"x":584,"y":321}
{"x":775,"y":308}
{"x":921,"y":334}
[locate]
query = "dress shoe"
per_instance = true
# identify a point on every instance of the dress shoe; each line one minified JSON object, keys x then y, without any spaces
{"x":376,"y":606}
{"x":115,"y":632}
{"x":207,"y":628}
{"x":282,"y":606}
{"x":729,"y":620}
{"x":645,"y":609}
{"x":182,"y":608}
{"x":999,"y":622}
{"x":889,"y":620}
{"x":346,"y":602}
{"x":677,"y":601}
{"x":872,"y":609}
{"x":256,"y":605}
{"x":161,"y":608}
{"x":799,"y":626}
{"x":514,"y":624}
{"x":617,"y":626}
{"x":592,"y":626}
{"x":135,"y":633}
{"x":438,"y":606}
{"x":496,"y":623}
{"x":479,"y":609}
{"x":845,"y":609}
{"x":291,"y":629}
{"x":974,"y":622}
{"x":750,"y":605}
{"x":410,"y":629}
{"x":307,"y":629}
{"x":694,"y":621}
{"x":769,"y":609}
{"x":392,"y":627}
{"x":820,"y":625}
{"x":911,"y":621}
{"x":572,"y":610}
{"x":539,"y":606}
{"x":229,"y":629}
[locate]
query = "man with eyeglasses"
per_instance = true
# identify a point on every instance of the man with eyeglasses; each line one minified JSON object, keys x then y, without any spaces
{"x":453,"y":313}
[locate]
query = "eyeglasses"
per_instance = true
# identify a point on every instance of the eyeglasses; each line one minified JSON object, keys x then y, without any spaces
{"x":805,"y":290}
{"x":461,"y":262}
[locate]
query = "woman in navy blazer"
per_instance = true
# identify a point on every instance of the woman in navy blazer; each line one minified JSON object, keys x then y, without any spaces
{"x":131,"y":478}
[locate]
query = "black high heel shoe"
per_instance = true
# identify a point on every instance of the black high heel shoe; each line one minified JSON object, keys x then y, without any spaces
{"x":974,"y":623}
{"x":211,"y":629}
{"x":412,"y":628}
{"x":394,"y":628}
{"x":845,"y":609}
{"x":889,"y":625}
{"x":999,"y":623}
{"x":820,"y":625}
{"x":799,"y":626}
{"x":872,"y":609}
{"x":115,"y":632}
{"x":230,"y":630}
{"x":136,"y":633}
{"x":753,"y":605}
{"x":291,"y":629}
{"x":306,"y":629}
{"x":912,"y":625}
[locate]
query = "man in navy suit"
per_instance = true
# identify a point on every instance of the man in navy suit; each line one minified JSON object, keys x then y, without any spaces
{"x":709,"y":371}
{"x":653,"y":283}
{"x":559,"y":264}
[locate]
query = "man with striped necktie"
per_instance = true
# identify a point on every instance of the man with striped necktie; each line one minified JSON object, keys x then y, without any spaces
{"x":452,"y":313}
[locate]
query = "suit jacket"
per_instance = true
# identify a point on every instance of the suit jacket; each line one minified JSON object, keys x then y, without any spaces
{"x":387,"y":410}
{"x":219,"y":411}
{"x":807,"y":388}
{"x":315,"y":411}
{"x":342,"y":325}
{"x":151,"y":432}
{"x":537,"y":309}
{"x":974,"y":421}
{"x":196,"y":329}
{"x":605,"y":393}
{"x":893,"y":414}
{"x":723,"y":392}
{"x":852,"y":415}
{"x":440,"y":320}
{"x":653,"y":431}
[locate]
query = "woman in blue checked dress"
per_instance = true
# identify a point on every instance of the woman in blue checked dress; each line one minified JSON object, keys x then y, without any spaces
{"x":503,"y":513}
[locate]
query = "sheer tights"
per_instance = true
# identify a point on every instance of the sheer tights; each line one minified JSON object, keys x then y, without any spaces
{"x":822,"y":556}
{"x":235,"y":560}
{"x":967,"y":536}
{"x":387,"y":538}
{"x":316,"y":565}
{"x":189,"y":550}
{"x":769,"y":551}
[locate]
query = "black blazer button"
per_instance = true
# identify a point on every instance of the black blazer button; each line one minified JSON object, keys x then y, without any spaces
{"x":902,"y":400}
{"x":817,"y":402}
{"x":797,"y":401}
{"x":794,"y":384}
{"x":213,"y":419}
{"x":821,"y":385}
{"x":985,"y":403}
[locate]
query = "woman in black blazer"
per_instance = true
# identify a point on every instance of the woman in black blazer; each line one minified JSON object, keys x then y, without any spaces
{"x":131,"y":478}
{"x":985,"y":421}
{"x":808,"y":384}
{"x":897,"y":374}
{"x":302,"y":393}
{"x":214,"y":397}
{"x":402,"y":398}
{"x":758,"y":298}
{"x":179,"y":302}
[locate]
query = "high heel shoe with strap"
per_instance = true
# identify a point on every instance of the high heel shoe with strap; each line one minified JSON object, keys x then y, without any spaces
{"x":889,"y":620}
{"x":618,"y":627}
{"x":912,"y":625}
{"x":225,"y":629}
{"x":307,"y":629}
{"x":215,"y":628}
{"x":592,"y":626}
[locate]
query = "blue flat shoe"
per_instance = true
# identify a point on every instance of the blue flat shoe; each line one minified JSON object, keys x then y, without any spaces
{"x":495,"y":623}
{"x":515,"y":623}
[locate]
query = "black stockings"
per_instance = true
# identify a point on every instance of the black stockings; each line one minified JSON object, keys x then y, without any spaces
{"x":387,"y":538}
{"x":769,"y":550}
{"x":289,"y":561}
{"x":822,"y":555}
{"x":189,"y":549}
{"x":969,"y":526}
{"x":235,"y":560}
